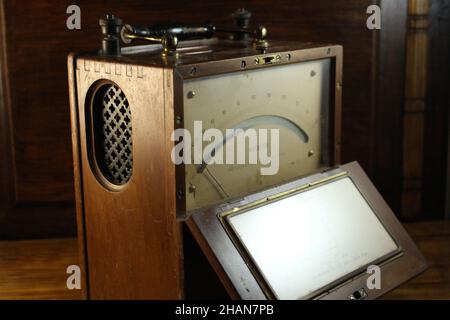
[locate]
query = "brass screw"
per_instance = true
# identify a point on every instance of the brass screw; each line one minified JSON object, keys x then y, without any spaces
{"x":192,"y":189}
{"x":191,"y":94}
{"x":310,"y":153}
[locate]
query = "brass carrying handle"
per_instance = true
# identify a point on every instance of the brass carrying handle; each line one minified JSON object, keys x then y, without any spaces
{"x":169,"y":36}
{"x":154,"y":33}
{"x":169,"y":41}
{"x":114,"y":31}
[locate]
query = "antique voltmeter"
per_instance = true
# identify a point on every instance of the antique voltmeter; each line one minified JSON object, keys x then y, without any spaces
{"x":308,"y":229}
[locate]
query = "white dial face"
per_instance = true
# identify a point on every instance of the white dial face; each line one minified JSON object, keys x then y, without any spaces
{"x":292,"y":98}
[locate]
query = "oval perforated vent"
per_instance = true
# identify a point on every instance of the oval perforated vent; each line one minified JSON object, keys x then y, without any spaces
{"x":113,"y":134}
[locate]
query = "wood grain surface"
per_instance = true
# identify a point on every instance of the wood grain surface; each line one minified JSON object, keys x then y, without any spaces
{"x":37,"y":269}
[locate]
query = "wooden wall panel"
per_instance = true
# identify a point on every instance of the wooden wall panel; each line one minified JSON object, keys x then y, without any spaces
{"x":447,"y":188}
{"x":437,"y":113}
{"x":388,"y":101}
{"x":415,"y":106}
{"x":426,"y":110}
{"x":32,"y":217}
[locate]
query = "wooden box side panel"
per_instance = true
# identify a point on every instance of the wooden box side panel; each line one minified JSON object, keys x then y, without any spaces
{"x":133,"y":241}
{"x":75,"y":135}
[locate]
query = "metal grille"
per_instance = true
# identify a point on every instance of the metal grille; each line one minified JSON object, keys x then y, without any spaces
{"x":116,"y":133}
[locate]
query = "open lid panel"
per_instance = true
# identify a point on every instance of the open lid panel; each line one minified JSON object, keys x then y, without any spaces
{"x":313,"y":238}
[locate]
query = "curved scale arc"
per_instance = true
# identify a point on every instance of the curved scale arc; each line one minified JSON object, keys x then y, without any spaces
{"x":248,"y":124}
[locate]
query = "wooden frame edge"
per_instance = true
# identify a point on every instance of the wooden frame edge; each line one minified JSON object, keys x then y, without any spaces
{"x":78,"y":185}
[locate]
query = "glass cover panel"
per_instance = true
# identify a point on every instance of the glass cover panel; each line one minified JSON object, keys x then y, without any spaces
{"x":305,"y":242}
{"x":292,"y":98}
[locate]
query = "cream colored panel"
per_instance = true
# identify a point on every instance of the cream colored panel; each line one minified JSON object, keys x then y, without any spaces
{"x":292,"y":98}
{"x":305,"y":242}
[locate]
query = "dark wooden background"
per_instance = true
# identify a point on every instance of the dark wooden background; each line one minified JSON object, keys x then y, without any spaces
{"x":437,"y":116}
{"x":36,"y":193}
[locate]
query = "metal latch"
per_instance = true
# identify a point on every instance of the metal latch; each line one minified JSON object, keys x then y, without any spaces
{"x":268,"y":59}
{"x":360,"y":294}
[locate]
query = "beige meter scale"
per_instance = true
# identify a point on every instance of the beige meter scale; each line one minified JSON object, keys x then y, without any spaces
{"x":293,"y":99}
